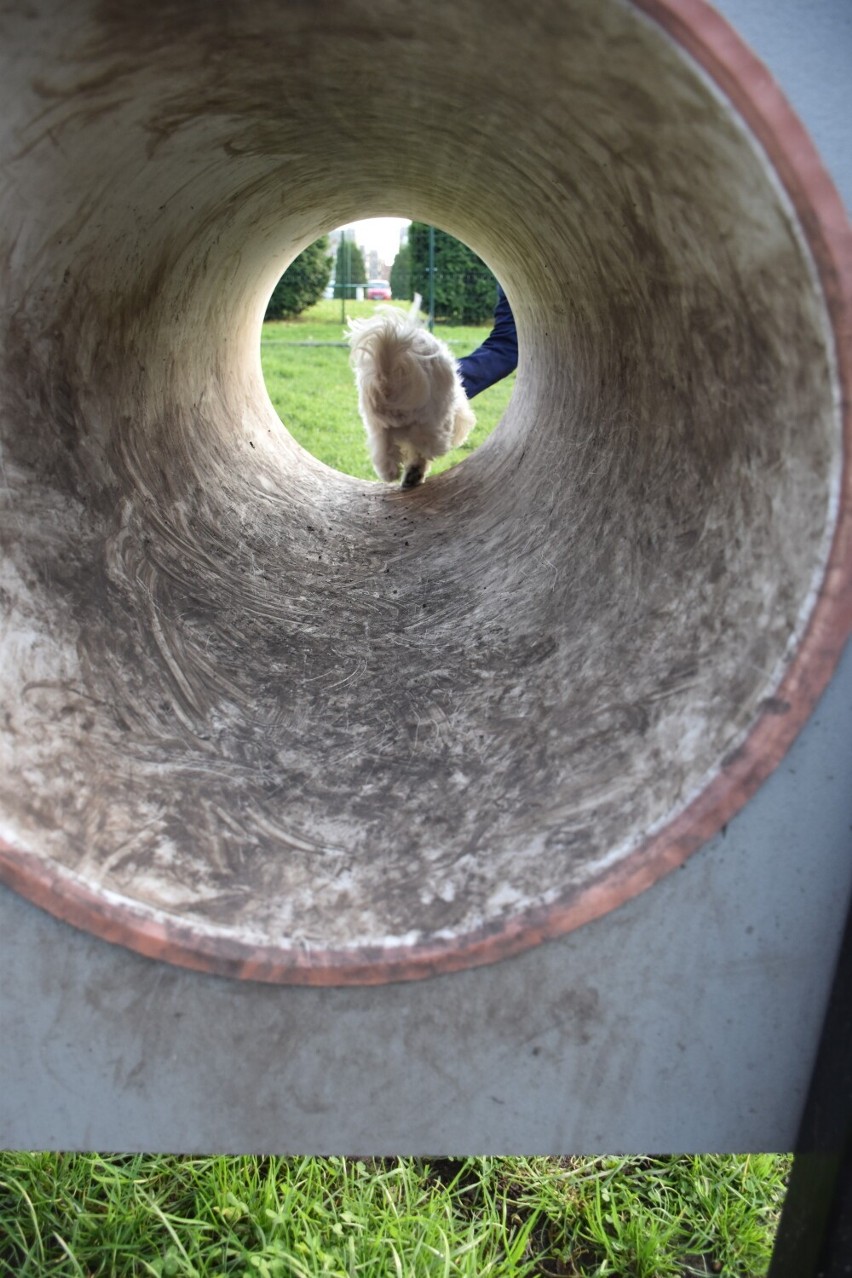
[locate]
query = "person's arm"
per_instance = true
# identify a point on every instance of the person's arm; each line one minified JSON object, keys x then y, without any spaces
{"x":497,"y":357}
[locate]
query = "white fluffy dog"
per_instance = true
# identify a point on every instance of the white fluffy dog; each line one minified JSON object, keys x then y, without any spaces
{"x":410,"y":394}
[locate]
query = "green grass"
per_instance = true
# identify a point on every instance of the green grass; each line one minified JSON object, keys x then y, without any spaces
{"x":313,"y":390}
{"x":166,"y":1217}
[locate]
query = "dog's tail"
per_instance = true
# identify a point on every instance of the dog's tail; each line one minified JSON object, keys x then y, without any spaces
{"x":383,"y":350}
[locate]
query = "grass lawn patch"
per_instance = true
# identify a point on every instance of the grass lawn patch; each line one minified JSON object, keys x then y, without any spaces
{"x":75,"y":1215}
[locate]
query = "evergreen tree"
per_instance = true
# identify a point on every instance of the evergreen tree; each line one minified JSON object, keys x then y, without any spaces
{"x":465,"y":289}
{"x":302,"y":283}
{"x":400,"y":275}
{"x":349,"y":267}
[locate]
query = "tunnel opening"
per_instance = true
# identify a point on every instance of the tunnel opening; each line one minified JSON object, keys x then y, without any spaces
{"x":304,"y":348}
{"x":270,"y":722}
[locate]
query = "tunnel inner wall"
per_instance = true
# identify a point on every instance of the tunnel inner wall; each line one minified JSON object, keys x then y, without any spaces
{"x":253,"y":700}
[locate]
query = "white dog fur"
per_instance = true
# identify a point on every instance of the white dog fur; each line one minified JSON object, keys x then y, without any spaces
{"x":410,"y":394}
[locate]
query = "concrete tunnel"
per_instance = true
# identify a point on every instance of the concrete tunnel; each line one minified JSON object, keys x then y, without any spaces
{"x":267,"y":720}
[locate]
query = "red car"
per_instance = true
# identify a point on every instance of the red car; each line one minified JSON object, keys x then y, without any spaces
{"x":378,"y":291}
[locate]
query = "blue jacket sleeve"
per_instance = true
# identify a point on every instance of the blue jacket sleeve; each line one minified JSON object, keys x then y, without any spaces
{"x":497,"y":357}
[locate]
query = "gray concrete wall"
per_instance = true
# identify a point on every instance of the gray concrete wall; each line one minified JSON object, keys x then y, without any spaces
{"x":685,"y":1020}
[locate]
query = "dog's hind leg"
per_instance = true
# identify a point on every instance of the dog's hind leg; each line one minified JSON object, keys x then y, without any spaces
{"x":414,"y":473}
{"x":386,"y":456}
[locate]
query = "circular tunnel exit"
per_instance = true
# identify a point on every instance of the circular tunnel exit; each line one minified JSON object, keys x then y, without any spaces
{"x":271,"y":721}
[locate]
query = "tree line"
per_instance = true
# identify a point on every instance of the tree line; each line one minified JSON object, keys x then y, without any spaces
{"x":464,"y":288}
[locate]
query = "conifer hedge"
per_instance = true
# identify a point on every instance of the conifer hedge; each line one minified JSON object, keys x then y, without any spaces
{"x":303,"y":283}
{"x":349,"y":268}
{"x":465,"y":289}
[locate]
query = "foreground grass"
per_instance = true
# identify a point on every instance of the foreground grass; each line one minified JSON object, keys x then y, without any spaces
{"x":309,"y":1217}
{"x":307,"y":374}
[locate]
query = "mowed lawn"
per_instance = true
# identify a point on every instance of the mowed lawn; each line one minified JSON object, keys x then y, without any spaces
{"x":312,"y":387}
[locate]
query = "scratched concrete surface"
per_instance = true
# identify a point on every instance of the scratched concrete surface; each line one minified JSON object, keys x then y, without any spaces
{"x":684,"y":1021}
{"x":252,"y":698}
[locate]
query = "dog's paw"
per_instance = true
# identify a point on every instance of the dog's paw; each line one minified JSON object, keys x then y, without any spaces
{"x":413,"y":475}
